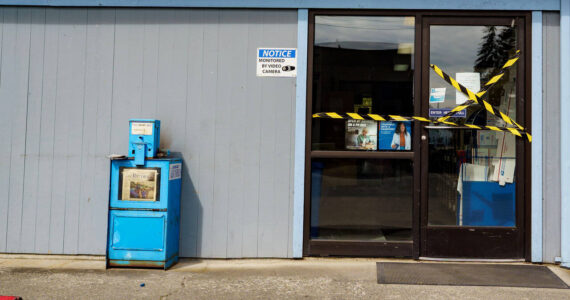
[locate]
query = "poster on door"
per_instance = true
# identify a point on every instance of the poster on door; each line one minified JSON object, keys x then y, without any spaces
{"x":361,"y":135}
{"x":395,"y":136}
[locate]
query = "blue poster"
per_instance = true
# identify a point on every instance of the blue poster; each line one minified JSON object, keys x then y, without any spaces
{"x":394,"y":135}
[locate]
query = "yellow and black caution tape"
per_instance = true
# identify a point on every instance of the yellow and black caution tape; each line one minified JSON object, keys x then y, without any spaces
{"x":510,"y":62}
{"x":477,"y":97}
{"x":376,"y":117}
{"x":472,"y":98}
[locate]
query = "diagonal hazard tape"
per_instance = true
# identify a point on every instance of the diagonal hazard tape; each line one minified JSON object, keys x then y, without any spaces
{"x":510,"y":62}
{"x":376,"y":117}
{"x":472,"y":97}
{"x":455,"y":84}
{"x":476,"y":97}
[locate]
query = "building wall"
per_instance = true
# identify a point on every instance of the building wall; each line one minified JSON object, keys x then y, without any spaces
{"x":551,"y":135}
{"x":70,"y":79}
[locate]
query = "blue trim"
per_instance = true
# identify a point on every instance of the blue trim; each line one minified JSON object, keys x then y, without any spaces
{"x":565,"y":133}
{"x":536,"y":163}
{"x":358,"y":4}
{"x":300,"y":119}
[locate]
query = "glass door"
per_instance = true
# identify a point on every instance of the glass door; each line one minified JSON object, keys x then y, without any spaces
{"x":360,"y":170}
{"x":473,"y":181}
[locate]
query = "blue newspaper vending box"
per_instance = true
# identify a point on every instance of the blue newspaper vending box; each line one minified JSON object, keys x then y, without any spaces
{"x":144,"y":206}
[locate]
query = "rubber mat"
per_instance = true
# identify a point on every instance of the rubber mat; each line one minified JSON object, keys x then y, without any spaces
{"x":468,"y":274}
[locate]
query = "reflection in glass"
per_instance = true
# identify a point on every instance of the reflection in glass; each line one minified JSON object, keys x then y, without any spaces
{"x":471,"y":173}
{"x":363,"y":65}
{"x":479,"y":56}
{"x":361,"y":199}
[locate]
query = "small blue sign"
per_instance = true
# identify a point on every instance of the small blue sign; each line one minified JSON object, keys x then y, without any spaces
{"x":437,"y":95}
{"x":277,"y":53}
{"x":440,"y":112}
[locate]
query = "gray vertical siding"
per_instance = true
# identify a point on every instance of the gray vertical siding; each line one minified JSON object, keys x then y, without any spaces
{"x":70,"y":79}
{"x":551,"y":135}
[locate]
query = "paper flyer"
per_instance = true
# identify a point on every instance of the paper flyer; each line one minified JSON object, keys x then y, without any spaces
{"x":361,"y":135}
{"x":470,"y":80}
{"x":395,"y":136}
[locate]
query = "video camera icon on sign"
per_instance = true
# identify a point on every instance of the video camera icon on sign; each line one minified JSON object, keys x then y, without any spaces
{"x":288,"y":68}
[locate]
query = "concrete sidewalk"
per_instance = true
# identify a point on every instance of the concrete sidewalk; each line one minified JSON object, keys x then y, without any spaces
{"x":85,"y":277}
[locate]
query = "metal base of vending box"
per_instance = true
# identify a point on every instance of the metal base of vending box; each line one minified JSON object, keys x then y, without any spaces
{"x":143,"y":263}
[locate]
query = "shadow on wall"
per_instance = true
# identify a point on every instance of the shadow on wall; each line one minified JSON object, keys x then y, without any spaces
{"x":190,"y":214}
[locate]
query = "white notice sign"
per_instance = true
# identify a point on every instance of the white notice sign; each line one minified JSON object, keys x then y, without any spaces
{"x":276,"y":62}
{"x":175,"y":171}
{"x":470,"y":80}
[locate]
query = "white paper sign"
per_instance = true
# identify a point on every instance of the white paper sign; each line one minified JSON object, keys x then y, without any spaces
{"x":175,"y":171}
{"x":141,"y":128}
{"x":276,"y":62}
{"x":470,"y":80}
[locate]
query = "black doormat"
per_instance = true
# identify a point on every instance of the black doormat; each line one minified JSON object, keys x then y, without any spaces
{"x":468,"y":274}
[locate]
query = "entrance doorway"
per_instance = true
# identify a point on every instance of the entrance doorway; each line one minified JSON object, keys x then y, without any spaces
{"x":377,"y":185}
{"x":473,"y":186}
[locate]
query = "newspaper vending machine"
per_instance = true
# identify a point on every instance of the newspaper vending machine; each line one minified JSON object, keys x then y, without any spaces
{"x":144,"y":206}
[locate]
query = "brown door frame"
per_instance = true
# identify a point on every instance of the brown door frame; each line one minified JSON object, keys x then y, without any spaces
{"x":506,"y":242}
{"x":412,"y":248}
{"x":352,"y":248}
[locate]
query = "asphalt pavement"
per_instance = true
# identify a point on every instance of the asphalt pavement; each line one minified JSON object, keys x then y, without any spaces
{"x":85,"y":277}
